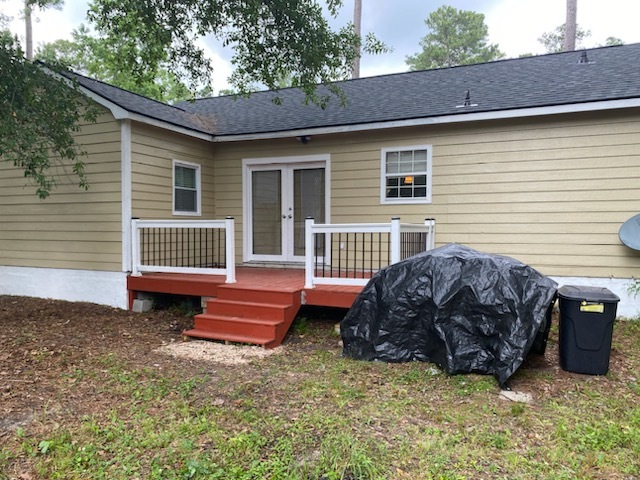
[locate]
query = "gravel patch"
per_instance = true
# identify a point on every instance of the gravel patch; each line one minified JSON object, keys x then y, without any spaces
{"x":218,"y":352}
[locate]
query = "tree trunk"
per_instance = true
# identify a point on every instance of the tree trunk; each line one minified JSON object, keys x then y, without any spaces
{"x":28,"y":30}
{"x":357,"y":21}
{"x":570,"y":26}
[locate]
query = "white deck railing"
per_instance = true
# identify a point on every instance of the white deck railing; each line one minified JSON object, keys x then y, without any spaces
{"x":183,"y":246}
{"x":364,"y":253}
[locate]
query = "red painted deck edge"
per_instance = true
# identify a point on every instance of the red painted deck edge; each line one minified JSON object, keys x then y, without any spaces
{"x":249,"y":278}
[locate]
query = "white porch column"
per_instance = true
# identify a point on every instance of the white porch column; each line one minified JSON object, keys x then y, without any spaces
{"x":309,"y":249}
{"x":230,"y":249}
{"x":135,"y":247}
{"x":395,"y":240}
{"x":430,"y":223}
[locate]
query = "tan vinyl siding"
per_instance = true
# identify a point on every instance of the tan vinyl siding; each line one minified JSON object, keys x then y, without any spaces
{"x":73,"y":228}
{"x":153,"y":152}
{"x":550,"y":191}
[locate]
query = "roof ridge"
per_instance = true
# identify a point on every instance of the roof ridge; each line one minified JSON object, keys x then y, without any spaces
{"x":395,"y":74}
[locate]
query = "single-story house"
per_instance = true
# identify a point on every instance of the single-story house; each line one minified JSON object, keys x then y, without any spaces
{"x":536,"y":158}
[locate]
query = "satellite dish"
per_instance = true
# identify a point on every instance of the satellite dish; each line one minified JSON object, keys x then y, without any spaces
{"x":629,"y":232}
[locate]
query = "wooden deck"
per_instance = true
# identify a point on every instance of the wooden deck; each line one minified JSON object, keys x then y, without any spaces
{"x":259,"y":308}
{"x":248,"y":278}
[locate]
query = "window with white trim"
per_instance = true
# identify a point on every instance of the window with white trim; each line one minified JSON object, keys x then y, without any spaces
{"x":186,"y":188}
{"x":406,"y":175}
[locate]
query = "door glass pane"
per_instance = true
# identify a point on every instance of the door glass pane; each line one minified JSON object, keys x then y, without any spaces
{"x":266,"y":212}
{"x":309,"y":201}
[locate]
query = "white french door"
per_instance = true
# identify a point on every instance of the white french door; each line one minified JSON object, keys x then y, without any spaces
{"x":278,"y":199}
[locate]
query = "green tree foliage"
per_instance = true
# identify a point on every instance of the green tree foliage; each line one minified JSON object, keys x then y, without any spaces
{"x":553,"y":41}
{"x":613,"y":41}
{"x":44,"y":3}
{"x":39,"y":115}
{"x":267,"y":37}
{"x":456,"y":37}
{"x":96,"y":57}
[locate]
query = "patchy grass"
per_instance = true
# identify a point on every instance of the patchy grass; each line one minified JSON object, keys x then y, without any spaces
{"x":118,"y":409}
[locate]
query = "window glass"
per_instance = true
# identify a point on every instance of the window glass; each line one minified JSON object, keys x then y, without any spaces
{"x":185,"y":188}
{"x":406,"y":175}
{"x":185,"y":177}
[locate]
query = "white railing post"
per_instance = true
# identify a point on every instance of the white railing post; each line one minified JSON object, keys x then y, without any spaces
{"x":135,"y":247}
{"x":395,"y":240}
{"x":430,"y":223}
{"x":230,"y":249}
{"x":309,"y":249}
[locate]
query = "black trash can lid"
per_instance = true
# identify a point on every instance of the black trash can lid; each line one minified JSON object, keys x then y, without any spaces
{"x":589,"y":294}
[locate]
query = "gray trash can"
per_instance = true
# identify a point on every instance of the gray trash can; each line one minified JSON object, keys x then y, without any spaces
{"x":586,"y":328}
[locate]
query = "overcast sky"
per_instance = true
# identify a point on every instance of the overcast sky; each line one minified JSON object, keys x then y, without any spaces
{"x":515,"y":25}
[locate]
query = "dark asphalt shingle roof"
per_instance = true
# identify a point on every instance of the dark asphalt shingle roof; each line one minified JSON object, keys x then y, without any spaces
{"x":134,"y":103}
{"x":613,"y":73}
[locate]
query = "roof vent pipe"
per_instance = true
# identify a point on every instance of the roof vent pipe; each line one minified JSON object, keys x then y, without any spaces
{"x":583,"y":57}
{"x":467,"y":101}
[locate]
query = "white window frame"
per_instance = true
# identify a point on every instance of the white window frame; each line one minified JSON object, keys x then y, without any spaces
{"x":383,"y":175}
{"x":196,"y":167}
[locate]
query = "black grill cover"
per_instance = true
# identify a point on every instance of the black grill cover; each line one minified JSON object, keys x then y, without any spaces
{"x":464,"y":310}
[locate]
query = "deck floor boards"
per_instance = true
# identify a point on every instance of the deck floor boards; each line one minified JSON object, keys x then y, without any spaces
{"x":290,"y":280}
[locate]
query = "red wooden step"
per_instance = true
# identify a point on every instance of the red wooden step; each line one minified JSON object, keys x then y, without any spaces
{"x":228,"y":337}
{"x":236,"y":325}
{"x":248,"y":314}
{"x":236,"y":308}
{"x":257,"y":295}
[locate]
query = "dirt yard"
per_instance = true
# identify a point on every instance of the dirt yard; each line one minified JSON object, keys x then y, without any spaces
{"x":56,"y":358}
{"x":43,"y":342}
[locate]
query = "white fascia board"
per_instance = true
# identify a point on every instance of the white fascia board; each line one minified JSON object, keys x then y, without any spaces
{"x":461,"y":118}
{"x":118,"y":112}
{"x":122,"y":114}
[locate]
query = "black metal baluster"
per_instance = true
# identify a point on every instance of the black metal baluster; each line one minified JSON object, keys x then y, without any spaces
{"x":372,"y":252}
{"x":316,"y":254}
{"x":339,"y":254}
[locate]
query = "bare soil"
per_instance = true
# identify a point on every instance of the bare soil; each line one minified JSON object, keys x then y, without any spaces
{"x":44,"y":343}
{"x":45,"y":346}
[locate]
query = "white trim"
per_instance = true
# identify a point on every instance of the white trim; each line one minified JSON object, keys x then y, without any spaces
{"x":286,"y":160}
{"x":104,"y":288}
{"x":122,"y":114}
{"x":395,"y":228}
{"x":188,"y":270}
{"x":628,"y":307}
{"x":459,"y":118}
{"x":227,"y":224}
{"x":126,"y":195}
{"x":197,"y":168}
{"x":305,"y":161}
{"x":383,"y":176}
{"x":118,"y":112}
